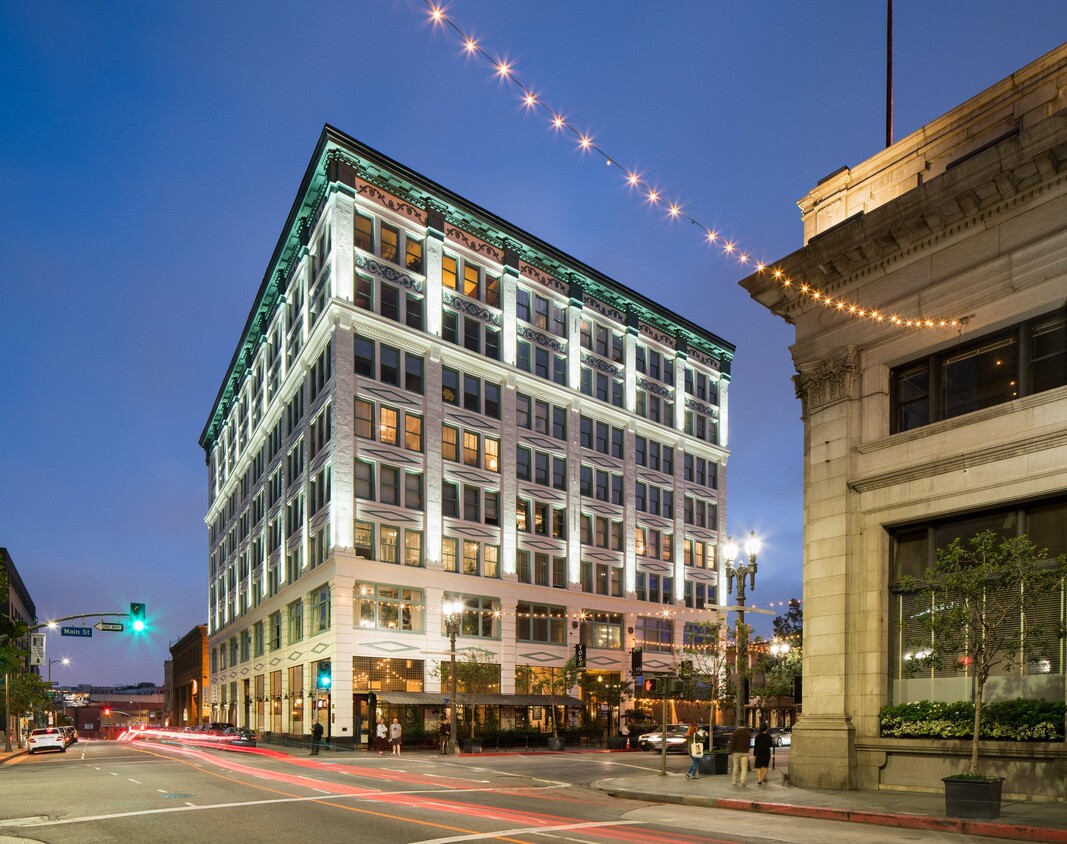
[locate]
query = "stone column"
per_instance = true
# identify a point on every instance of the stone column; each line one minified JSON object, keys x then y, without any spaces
{"x":823,"y":754}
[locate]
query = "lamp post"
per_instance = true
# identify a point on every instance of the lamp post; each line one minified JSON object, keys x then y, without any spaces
{"x":453,"y":611}
{"x":779,"y":650}
{"x":738,"y":573}
{"x":65,"y":661}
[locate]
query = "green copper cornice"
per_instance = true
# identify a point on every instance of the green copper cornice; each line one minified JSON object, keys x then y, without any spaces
{"x":421,"y":193}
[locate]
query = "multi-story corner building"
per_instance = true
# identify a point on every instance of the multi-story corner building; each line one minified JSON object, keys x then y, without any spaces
{"x":428,"y":403}
{"x":915,"y":436}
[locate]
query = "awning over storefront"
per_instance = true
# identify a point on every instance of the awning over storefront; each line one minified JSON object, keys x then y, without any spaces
{"x":433,"y":699}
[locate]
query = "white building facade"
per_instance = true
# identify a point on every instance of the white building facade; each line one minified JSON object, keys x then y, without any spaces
{"x":428,"y":403}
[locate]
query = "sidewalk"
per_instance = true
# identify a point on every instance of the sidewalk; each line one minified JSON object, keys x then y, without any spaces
{"x":1020,"y":821}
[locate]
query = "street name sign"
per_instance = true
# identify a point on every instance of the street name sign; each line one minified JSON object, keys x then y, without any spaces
{"x":76,"y":631}
{"x":111,"y":626}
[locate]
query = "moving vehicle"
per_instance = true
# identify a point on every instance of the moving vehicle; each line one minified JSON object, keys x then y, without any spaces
{"x":239,"y":737}
{"x":675,"y":739}
{"x":48,"y":738}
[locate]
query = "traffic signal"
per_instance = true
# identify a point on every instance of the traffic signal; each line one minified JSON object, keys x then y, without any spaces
{"x":325,"y":678}
{"x":635,"y":661}
{"x":107,"y":710}
{"x":675,"y":687}
{"x":652,"y":686}
{"x":579,"y":656}
{"x":137,"y":617}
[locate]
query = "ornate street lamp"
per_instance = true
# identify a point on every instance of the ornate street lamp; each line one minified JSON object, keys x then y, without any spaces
{"x":739,"y":573}
{"x":453,"y":611}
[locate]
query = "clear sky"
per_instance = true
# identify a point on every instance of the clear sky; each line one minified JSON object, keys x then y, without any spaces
{"x":150,"y":152}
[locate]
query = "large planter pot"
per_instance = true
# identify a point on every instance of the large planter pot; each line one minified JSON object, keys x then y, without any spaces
{"x":616,"y":742}
{"x":972,"y":798}
{"x":555,"y":743}
{"x":714,"y":763}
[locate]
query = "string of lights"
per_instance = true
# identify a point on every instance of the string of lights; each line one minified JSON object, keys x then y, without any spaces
{"x":504,"y":69}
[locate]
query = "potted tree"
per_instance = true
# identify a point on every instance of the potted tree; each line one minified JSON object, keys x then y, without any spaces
{"x":555,"y":683}
{"x":978,"y":608}
{"x":476,"y":671}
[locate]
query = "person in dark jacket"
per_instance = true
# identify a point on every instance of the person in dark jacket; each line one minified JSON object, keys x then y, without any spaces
{"x":762,"y":751}
{"x":739,"y":743}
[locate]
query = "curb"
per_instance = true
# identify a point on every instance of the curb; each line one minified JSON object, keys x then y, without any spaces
{"x":990,"y":829}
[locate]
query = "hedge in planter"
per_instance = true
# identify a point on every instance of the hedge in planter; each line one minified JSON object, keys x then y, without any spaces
{"x":1009,"y":720}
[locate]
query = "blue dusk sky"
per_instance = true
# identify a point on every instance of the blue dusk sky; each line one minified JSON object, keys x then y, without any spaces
{"x":150,"y":153}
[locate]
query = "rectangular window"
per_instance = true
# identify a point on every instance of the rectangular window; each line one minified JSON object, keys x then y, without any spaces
{"x":450,"y":554}
{"x":449,"y":272}
{"x":450,"y":499}
{"x":413,"y":490}
{"x":471,"y":448}
{"x":413,"y":373}
{"x":471,"y":557}
{"x":388,"y":485}
{"x":450,"y":443}
{"x":540,"y":623}
{"x":389,"y":365}
{"x":413,"y":432}
{"x":390,"y":241}
{"x":389,"y":544}
{"x":471,"y":281}
{"x":472,"y":393}
{"x":387,"y":426}
{"x":364,"y":424}
{"x":363,"y":233}
{"x":413,"y":257}
{"x":412,"y":547}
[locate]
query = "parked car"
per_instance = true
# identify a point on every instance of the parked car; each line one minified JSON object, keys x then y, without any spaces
{"x":48,"y":738}
{"x":70,"y":734}
{"x":217,"y":728}
{"x":782,"y":736}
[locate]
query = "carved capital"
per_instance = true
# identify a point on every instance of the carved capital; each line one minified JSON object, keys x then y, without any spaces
{"x":827,"y":381}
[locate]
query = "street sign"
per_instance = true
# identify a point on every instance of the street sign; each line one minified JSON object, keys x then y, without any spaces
{"x":110,"y":626}
{"x":76,"y":631}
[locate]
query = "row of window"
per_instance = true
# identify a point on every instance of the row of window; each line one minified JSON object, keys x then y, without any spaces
{"x":400,"y":487}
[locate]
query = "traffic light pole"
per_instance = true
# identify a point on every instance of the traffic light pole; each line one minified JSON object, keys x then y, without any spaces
{"x":663,"y":749}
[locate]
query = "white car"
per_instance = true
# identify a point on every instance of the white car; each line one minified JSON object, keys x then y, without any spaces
{"x":49,"y":738}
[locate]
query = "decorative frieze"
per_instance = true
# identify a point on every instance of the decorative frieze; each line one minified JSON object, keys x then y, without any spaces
{"x":468,"y":307}
{"x":608,"y":311}
{"x":543,"y":278}
{"x":393,"y":203}
{"x":388,"y":272}
{"x":601,"y":365}
{"x":699,"y":407}
{"x":474,"y":244}
{"x":657,"y":335}
{"x":542,"y":339}
{"x":655,"y":387}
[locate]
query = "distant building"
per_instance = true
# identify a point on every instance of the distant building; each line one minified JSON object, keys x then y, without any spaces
{"x":913,"y":437}
{"x":428,"y":403}
{"x":189,"y":678}
{"x":16,"y":603}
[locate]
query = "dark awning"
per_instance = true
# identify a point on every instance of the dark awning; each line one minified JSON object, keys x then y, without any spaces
{"x":433,"y":699}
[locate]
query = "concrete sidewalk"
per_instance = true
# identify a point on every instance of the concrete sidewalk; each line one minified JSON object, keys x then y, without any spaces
{"x":1021,"y":821}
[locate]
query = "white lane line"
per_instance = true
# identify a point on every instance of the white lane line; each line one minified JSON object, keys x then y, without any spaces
{"x":113,"y":773}
{"x":322,"y":791}
{"x":193,"y":805}
{"x":530,"y":830}
{"x":161,"y":790}
{"x":138,"y":782}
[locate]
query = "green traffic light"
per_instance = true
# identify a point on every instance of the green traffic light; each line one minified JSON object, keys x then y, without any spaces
{"x":137,"y":621}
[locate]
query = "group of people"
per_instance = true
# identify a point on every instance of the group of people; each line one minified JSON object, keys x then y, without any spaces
{"x":386,"y":737}
{"x":740,"y":739}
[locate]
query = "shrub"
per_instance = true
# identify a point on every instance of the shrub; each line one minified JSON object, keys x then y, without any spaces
{"x":1009,"y":720}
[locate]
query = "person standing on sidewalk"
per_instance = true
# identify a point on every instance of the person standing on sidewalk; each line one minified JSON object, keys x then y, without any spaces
{"x":381,"y":736}
{"x":395,"y":734}
{"x":695,"y":748}
{"x":444,"y":733}
{"x":316,"y":737}
{"x":761,"y":750}
{"x":739,"y":742}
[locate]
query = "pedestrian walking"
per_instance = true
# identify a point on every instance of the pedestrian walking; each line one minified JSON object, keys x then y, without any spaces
{"x":395,"y":734}
{"x":696,"y":752}
{"x":739,"y":743}
{"x":316,"y":737}
{"x":444,"y":734}
{"x":381,"y":734}
{"x":761,"y":750}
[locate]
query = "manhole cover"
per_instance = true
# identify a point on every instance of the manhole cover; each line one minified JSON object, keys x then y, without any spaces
{"x":177,"y":795}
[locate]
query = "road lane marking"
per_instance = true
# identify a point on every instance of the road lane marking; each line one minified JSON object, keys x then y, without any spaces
{"x":113,"y":773}
{"x":136,"y":781}
{"x":529,"y":830}
{"x":161,"y":790}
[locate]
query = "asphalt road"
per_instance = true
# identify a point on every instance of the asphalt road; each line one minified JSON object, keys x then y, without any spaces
{"x":148,"y":792}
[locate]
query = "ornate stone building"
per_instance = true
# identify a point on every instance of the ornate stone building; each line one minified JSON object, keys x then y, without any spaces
{"x":913,"y":436}
{"x":428,"y":403}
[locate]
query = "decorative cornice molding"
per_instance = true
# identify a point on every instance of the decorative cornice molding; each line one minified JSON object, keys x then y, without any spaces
{"x":543,"y":278}
{"x":655,"y":387}
{"x":700,"y":407}
{"x":474,"y":244}
{"x":827,"y":381}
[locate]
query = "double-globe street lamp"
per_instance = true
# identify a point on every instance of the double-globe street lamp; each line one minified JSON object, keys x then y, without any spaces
{"x":738,"y":572}
{"x":453,"y":612}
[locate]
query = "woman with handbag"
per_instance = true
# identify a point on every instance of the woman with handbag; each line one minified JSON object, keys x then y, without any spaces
{"x":696,"y":752}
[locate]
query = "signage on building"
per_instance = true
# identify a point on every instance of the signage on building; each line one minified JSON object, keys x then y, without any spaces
{"x":76,"y":631}
{"x":37,"y":654}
